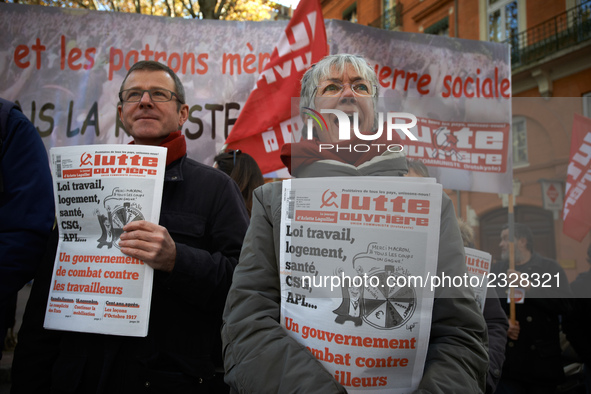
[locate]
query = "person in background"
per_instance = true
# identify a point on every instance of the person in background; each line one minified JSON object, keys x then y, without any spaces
{"x":533,"y":362}
{"x":496,"y":322}
{"x":259,"y":355}
{"x":244,"y":170}
{"x":193,"y":250}
{"x":27,"y":210}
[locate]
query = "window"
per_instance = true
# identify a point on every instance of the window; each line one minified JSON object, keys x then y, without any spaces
{"x":583,"y":22}
{"x":440,"y":28}
{"x":502,"y":20}
{"x":389,"y":16}
{"x":387,"y":4}
{"x":350,"y":14}
{"x":519,"y":142}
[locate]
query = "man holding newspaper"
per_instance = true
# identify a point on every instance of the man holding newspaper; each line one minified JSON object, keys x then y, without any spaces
{"x":193,"y":250}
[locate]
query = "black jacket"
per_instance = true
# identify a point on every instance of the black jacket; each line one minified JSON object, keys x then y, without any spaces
{"x":26,"y":203}
{"x":497,"y":325}
{"x":535,"y":357}
{"x":204,"y":213}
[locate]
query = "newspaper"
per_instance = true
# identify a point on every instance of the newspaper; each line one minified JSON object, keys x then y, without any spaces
{"x":350,"y":250}
{"x":478,"y":264}
{"x":99,"y":189}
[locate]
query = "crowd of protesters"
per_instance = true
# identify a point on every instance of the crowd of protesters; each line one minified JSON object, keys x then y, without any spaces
{"x":215,"y":309}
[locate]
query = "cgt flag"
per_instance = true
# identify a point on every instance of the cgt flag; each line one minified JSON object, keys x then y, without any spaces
{"x":577,"y":199}
{"x":264,"y":124}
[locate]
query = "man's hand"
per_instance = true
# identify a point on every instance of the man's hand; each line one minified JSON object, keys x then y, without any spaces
{"x":513,"y":332}
{"x":150,"y":243}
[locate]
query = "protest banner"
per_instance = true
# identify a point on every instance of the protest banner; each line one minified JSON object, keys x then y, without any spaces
{"x":356,"y":255}
{"x":577,"y":198}
{"x":65,"y":70}
{"x":67,"y":80}
{"x":98,"y":190}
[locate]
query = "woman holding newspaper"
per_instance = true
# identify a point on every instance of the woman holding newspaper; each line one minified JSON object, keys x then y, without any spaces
{"x":259,"y":354}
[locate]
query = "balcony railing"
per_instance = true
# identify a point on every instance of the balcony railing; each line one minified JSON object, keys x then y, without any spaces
{"x":565,"y":30}
{"x":390,"y":20}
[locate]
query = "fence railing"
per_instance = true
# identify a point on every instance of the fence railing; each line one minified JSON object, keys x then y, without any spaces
{"x":560,"y":32}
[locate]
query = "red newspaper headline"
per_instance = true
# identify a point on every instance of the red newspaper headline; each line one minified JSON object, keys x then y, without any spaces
{"x":112,"y":165}
{"x":359,"y":360}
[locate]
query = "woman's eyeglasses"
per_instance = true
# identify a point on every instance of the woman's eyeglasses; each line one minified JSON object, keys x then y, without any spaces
{"x":359,"y":88}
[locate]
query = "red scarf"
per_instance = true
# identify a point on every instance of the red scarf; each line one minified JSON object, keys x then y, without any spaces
{"x":176,"y":145}
{"x":306,"y":152}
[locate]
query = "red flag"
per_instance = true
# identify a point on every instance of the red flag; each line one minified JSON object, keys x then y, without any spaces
{"x":577,"y":199}
{"x":264,"y":125}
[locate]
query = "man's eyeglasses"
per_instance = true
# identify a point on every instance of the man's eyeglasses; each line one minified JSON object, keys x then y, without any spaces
{"x":360,"y":88}
{"x":157,"y":95}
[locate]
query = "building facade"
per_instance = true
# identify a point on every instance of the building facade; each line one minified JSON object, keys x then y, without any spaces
{"x":550,"y":45}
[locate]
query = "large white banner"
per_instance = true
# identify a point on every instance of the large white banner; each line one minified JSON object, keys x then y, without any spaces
{"x":65,"y":67}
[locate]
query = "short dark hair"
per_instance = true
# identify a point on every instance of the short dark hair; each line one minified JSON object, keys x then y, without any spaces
{"x":521,"y":230}
{"x":151,"y":65}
